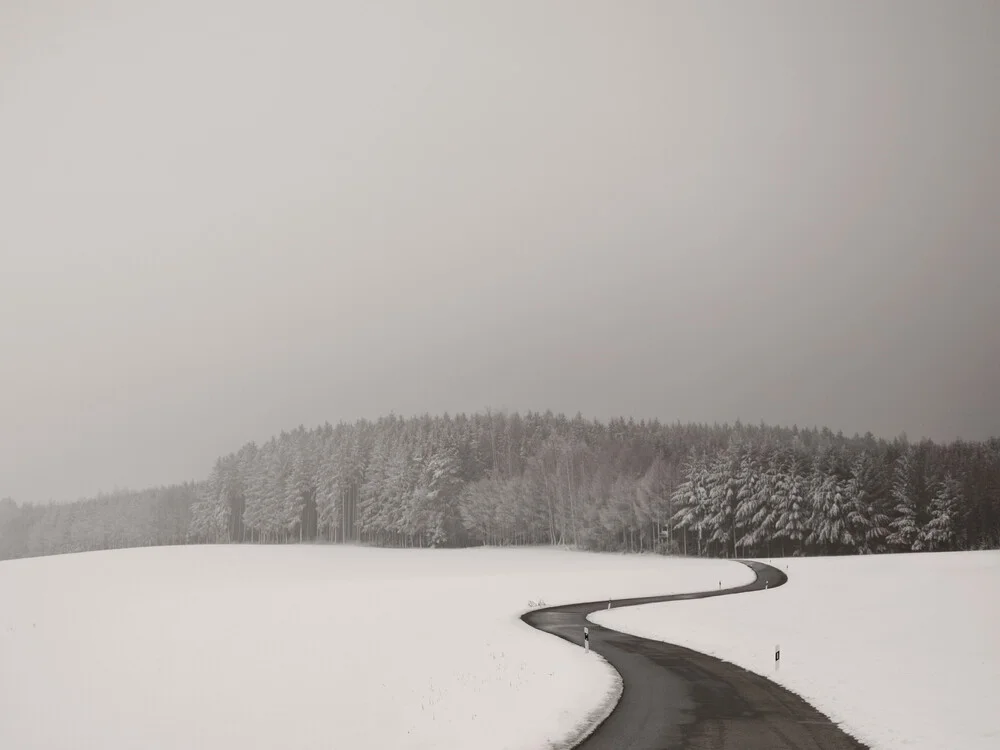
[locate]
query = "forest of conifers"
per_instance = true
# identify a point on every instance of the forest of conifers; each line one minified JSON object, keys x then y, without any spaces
{"x":506,"y":479}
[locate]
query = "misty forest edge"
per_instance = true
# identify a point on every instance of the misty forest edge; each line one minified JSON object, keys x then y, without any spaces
{"x":495,"y":478}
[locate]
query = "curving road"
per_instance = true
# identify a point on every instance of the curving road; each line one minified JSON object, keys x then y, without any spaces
{"x":676,"y":698}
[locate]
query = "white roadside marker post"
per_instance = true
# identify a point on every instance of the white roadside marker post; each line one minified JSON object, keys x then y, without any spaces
{"x":586,"y":639}
{"x":777,"y":657}
{"x":609,"y":604}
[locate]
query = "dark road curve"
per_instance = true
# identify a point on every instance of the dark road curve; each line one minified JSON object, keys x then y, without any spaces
{"x":678,"y":699}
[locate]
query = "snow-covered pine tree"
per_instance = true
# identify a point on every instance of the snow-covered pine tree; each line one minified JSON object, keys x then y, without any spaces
{"x":939,"y":532}
{"x":723,"y":490}
{"x":443,"y":488}
{"x":209,"y":514}
{"x":690,"y":499}
{"x":755,"y":512}
{"x":476,"y":508}
{"x":256,"y":491}
{"x":792,"y":510}
{"x":395,"y":490}
{"x":300,"y":492}
{"x":376,"y":473}
{"x":328,"y":497}
{"x":867,"y":518}
{"x":827,"y":522}
{"x":904,"y":531}
{"x":416,"y":513}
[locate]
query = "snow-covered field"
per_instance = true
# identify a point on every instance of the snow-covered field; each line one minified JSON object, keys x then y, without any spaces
{"x":902,"y":650}
{"x":248,"y":647}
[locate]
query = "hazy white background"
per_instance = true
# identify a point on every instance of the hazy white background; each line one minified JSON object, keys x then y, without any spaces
{"x":219,"y":219}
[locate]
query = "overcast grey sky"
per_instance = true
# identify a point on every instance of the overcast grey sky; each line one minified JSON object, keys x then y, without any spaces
{"x":222,"y":219}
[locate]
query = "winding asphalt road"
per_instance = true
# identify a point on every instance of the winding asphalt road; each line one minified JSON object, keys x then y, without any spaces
{"x":678,"y":699}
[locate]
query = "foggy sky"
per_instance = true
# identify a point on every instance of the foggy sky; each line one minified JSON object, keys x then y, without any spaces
{"x":219,"y":220}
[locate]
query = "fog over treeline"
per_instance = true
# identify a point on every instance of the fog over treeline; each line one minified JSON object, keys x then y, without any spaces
{"x":224,"y":219}
{"x":510,"y":479}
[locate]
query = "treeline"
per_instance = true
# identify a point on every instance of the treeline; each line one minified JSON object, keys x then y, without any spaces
{"x":109,"y":521}
{"x":507,"y":479}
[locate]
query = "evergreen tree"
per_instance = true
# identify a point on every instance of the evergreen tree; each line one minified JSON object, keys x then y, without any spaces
{"x":691,"y":500}
{"x":827,"y":516}
{"x":867,"y":515}
{"x":792,"y":509}
{"x":755,"y":512}
{"x":904,"y":531}
{"x":939,"y":533}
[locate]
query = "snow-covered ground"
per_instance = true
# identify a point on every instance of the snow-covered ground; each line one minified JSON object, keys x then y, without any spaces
{"x":903,"y":651}
{"x":248,"y":647}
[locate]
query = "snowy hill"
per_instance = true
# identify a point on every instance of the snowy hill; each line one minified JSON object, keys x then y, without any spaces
{"x":248,"y":647}
{"x":902,"y":650}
